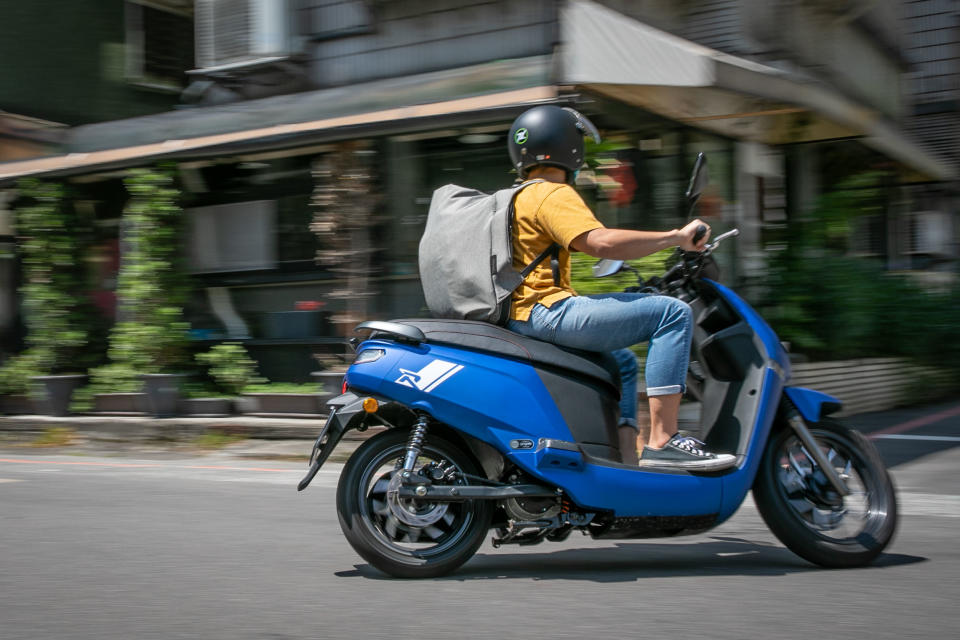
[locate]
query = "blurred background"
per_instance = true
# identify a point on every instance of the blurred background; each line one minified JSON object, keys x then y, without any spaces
{"x":176,"y":174}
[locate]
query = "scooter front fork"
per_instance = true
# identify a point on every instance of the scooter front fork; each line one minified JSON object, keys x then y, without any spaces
{"x":813,"y":450}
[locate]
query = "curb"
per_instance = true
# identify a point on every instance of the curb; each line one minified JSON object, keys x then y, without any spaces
{"x":145,"y":429}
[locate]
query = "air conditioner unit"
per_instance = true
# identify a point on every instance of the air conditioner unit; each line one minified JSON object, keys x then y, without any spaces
{"x":930,"y":233}
{"x":234,"y":32}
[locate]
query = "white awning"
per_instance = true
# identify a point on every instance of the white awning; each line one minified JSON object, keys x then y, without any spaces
{"x":610,"y":53}
{"x":374,"y":108}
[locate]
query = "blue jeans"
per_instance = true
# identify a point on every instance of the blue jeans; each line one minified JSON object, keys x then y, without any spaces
{"x":614,"y":321}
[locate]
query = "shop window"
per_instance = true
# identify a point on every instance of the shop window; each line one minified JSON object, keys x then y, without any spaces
{"x":296,"y":244}
{"x":233,"y":237}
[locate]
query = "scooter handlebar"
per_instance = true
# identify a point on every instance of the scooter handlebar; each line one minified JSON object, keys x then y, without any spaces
{"x":699,"y":233}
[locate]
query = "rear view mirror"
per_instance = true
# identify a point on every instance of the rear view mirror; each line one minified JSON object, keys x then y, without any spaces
{"x":698,"y":180}
{"x":607,"y":267}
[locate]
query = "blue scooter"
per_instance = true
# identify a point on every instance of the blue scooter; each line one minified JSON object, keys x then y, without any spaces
{"x":487,"y":429}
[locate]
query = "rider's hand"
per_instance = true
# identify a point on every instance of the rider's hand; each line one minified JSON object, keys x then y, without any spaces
{"x":686,"y":236}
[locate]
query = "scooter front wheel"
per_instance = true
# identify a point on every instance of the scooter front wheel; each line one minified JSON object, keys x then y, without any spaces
{"x":808,"y":515}
{"x":406,"y":538}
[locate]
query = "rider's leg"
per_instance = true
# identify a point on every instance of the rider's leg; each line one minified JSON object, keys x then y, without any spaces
{"x":611,"y":322}
{"x":628,"y":428}
{"x":607,"y":322}
{"x":663,"y":419}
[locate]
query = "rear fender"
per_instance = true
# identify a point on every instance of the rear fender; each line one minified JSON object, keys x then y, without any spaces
{"x":346,"y":412}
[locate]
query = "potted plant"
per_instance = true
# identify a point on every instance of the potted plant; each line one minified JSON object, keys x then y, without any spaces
{"x":15,"y":385}
{"x":149,"y":342}
{"x":234,"y":372}
{"x":231,"y":369}
{"x":282,"y":398}
{"x":53,"y":237}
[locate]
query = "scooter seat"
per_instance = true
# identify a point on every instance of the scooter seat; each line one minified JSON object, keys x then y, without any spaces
{"x":489,"y":338}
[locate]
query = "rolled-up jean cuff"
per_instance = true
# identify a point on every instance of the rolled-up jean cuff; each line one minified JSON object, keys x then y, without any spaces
{"x":628,"y":422}
{"x":664,"y":391}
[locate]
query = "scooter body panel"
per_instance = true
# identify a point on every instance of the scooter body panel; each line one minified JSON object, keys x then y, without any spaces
{"x":493,"y":399}
{"x":775,"y":351}
{"x":505,"y":403}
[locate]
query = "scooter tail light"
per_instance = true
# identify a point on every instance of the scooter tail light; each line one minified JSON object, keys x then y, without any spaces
{"x":343,"y":387}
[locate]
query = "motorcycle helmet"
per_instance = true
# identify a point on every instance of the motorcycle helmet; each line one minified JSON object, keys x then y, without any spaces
{"x":549,"y":135}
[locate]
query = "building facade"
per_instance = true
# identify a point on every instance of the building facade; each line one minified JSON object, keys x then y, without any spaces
{"x":431,"y":86}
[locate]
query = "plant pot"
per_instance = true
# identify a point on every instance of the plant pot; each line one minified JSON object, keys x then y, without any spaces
{"x":57,"y":393}
{"x":209,"y":407}
{"x":280,"y":403}
{"x":119,"y":403}
{"x":17,"y":405}
{"x":162,"y":391}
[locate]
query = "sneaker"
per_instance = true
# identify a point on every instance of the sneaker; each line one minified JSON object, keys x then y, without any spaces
{"x":686,"y":453}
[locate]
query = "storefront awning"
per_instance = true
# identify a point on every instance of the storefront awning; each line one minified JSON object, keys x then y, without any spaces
{"x":606,"y":52}
{"x":387,"y":106}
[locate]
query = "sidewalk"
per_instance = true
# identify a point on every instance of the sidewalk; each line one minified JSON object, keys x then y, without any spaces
{"x":238,"y":436}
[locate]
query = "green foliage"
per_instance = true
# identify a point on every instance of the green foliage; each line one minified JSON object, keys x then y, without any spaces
{"x":215,"y":440}
{"x":53,"y":237}
{"x":16,"y":372}
{"x":152,"y":288}
{"x":832,"y":306}
{"x":232,"y":369}
{"x":55,"y":437}
{"x":284,"y":387}
{"x":583,"y":282}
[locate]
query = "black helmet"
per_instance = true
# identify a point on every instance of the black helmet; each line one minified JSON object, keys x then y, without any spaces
{"x":549,"y":135}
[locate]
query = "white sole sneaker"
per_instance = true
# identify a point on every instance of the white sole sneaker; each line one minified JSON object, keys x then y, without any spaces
{"x":721,"y":461}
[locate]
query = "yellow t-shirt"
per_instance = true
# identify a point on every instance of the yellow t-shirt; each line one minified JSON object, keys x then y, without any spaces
{"x":546,"y":212}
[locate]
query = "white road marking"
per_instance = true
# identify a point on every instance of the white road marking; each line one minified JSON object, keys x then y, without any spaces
{"x":929,"y":504}
{"x":897,"y":436}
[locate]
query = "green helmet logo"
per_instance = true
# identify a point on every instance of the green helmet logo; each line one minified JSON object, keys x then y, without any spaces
{"x":520,"y":136}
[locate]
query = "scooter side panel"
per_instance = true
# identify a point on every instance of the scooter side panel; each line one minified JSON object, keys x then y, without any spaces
{"x":736,"y":485}
{"x":500,"y":401}
{"x":494,"y":399}
{"x":775,"y":350}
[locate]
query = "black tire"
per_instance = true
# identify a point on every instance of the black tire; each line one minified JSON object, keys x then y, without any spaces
{"x":387,"y":543}
{"x":811,"y":522}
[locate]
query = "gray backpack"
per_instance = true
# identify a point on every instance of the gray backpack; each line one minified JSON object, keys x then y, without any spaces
{"x":466,"y":254}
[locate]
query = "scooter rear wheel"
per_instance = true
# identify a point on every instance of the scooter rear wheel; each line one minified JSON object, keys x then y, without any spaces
{"x":408,"y":539}
{"x":808,"y":516}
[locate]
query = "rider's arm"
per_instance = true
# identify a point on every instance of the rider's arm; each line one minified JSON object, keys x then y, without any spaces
{"x":628,"y":244}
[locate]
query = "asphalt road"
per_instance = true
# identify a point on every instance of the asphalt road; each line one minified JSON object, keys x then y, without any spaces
{"x":105,"y":546}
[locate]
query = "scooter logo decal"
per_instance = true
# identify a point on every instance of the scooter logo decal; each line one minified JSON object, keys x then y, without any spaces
{"x":430,"y":377}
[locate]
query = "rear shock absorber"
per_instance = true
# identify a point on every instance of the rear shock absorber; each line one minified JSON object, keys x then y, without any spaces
{"x":415,"y":442}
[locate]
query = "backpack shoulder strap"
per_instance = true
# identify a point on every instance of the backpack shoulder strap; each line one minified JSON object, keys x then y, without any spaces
{"x":553,"y":251}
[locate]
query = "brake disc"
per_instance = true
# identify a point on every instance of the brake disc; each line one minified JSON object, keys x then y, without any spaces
{"x":412,"y":512}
